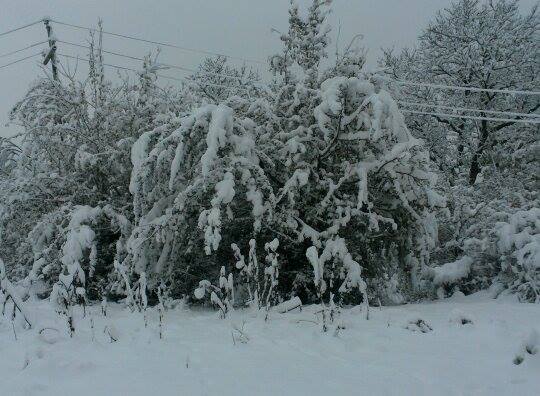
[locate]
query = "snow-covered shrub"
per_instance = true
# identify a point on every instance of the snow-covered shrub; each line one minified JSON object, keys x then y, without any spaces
{"x":448,"y":274}
{"x":514,"y":247}
{"x":251,"y":283}
{"x":323,"y":161}
{"x":8,"y":293}
{"x":501,"y":248}
{"x":334,"y":259}
{"x":188,"y":178}
{"x":75,"y":153}
{"x":271,"y":274}
{"x":73,"y":251}
{"x":71,"y":258}
{"x":221,"y":296}
{"x":518,"y":243}
{"x":487,"y":168}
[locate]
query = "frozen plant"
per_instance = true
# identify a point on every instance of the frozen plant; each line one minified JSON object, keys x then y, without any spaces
{"x":161,"y":308}
{"x":141,"y":297}
{"x":221,"y":296}
{"x":271,"y":274}
{"x":7,"y":293}
{"x":249,"y":273}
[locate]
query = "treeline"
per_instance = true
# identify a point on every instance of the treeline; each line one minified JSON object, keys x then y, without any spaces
{"x":315,"y":185}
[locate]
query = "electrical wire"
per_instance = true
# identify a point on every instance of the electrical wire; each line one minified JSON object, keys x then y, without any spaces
{"x":468,"y":117}
{"x":20,"y":28}
{"x":158,"y":43}
{"x":23,"y":49}
{"x":505,"y":113}
{"x":166,"y":65}
{"x":19,"y":60}
{"x":459,"y":88}
{"x":527,"y":116}
{"x":159,"y":75}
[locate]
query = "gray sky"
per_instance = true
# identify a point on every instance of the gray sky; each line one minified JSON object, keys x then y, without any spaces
{"x":234,"y":27}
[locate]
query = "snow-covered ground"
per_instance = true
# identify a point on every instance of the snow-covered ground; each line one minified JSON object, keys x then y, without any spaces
{"x":288,"y":355}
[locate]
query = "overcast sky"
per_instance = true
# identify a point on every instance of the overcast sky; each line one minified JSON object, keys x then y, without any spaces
{"x":234,"y":27}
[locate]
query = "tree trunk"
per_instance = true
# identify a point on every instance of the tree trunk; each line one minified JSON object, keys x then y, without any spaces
{"x":475,"y":162}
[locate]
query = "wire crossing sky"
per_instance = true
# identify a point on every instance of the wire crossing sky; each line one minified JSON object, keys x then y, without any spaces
{"x":237,"y":28}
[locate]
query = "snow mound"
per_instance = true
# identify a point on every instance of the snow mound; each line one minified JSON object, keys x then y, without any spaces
{"x":450,"y":272}
{"x":461,"y":318}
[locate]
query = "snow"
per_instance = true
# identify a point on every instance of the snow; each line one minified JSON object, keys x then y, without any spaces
{"x":362,"y":171}
{"x":451,"y":272}
{"x":201,"y":290}
{"x":256,"y":198}
{"x":216,"y":138}
{"x":199,"y":293}
{"x":459,"y":317}
{"x":287,"y":355}
{"x":288,"y":305}
{"x":330,"y":103}
{"x":318,"y":266}
{"x":532,"y":342}
{"x":224,"y":190}
{"x":139,"y":152}
{"x":323,"y":159}
{"x":7,"y":288}
{"x":176,"y":163}
{"x":521,"y":233}
{"x":79,"y":238}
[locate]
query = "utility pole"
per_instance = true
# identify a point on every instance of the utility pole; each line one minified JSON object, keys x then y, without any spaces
{"x":51,"y":55}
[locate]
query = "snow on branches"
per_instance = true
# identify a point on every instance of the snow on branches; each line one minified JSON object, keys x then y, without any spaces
{"x":8,"y":292}
{"x":325,"y":160}
{"x":160,"y":184}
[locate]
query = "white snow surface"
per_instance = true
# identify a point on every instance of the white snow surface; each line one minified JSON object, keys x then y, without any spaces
{"x":287,"y":355}
{"x":451,"y":272}
{"x":139,"y":152}
{"x":221,"y":122}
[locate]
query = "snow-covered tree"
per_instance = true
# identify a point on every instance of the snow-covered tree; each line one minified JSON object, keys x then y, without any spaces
{"x":315,"y":182}
{"x":216,"y":80}
{"x":325,"y":160}
{"x":487,"y":168}
{"x":75,"y":154}
{"x":471,"y":44}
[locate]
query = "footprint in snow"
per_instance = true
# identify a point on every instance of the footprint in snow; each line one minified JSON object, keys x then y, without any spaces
{"x":418,"y":325}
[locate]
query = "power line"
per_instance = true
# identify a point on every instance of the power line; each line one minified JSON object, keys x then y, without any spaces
{"x":104,"y":64}
{"x":22,"y":49}
{"x":19,"y":60}
{"x":159,"y":75}
{"x":105,"y":51}
{"x":505,"y":113}
{"x":119,"y":67}
{"x":460,"y":88}
{"x":167,"y":65}
{"x":159,"y":43}
{"x":517,"y":120}
{"x":21,"y":27}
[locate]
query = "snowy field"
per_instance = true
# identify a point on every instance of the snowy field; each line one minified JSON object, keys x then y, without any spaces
{"x":288,"y":355}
